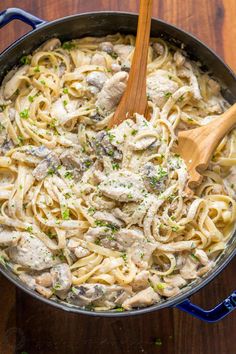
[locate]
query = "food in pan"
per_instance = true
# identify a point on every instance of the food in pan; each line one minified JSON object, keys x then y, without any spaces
{"x":101,"y":218}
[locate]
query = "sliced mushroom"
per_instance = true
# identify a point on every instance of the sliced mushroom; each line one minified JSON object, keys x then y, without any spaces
{"x":49,"y":164}
{"x":154,"y":177}
{"x":144,"y":298}
{"x":102,"y":144}
{"x":106,"y":47}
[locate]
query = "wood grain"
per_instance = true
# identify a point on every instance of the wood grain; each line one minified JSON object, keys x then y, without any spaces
{"x":26,"y":325}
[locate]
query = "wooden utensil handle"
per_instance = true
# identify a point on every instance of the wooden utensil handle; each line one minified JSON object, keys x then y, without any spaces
{"x":134,"y":99}
{"x":215,"y":132}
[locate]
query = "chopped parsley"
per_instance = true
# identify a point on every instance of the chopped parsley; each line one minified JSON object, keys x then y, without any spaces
{"x":110,"y":226}
{"x":31,"y":98}
{"x":2,"y":261}
{"x":20,"y":139}
{"x":29,"y":229}
{"x":1,"y":127}
{"x":134,"y":132}
{"x":97,"y":242}
{"x":51,"y":171}
{"x":160,"y":286}
{"x":65,"y":90}
{"x":111,"y":137}
{"x":25,"y":60}
{"x":181,"y":98}
{"x":115,"y":166}
{"x":168,"y":94}
{"x":67,"y":195}
{"x":174,"y":228}
{"x":42,"y":82}
{"x":91,"y":210}
{"x":194,"y":257}
{"x":114,"y":55}
{"x":36,"y":69}
{"x":124,"y":256}
{"x":68,"y":45}
{"x":24,"y":114}
{"x":2,"y":107}
{"x":68,"y":175}
{"x":65,"y":103}
{"x":66,"y":214}
{"x":87,"y":163}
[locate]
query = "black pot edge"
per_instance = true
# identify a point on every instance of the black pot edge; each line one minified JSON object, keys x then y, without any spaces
{"x":166,"y":303}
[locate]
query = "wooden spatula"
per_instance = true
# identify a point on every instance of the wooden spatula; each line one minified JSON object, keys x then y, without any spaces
{"x":196,"y":146}
{"x":134,"y":99}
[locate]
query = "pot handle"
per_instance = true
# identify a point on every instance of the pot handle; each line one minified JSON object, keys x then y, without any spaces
{"x":213,"y":315}
{"x":14,"y":13}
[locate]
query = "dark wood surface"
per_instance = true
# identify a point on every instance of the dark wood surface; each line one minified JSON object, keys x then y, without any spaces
{"x":26,"y":325}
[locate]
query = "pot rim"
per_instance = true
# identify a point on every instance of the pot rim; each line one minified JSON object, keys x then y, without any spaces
{"x":189,"y":290}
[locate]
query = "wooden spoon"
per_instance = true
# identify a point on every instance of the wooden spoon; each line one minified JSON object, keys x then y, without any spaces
{"x":196,"y":146}
{"x":134,"y":99}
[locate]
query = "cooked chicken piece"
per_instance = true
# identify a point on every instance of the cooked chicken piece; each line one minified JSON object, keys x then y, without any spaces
{"x":96,"y":295}
{"x":160,"y":87}
{"x":74,"y":246}
{"x":106,"y":47}
{"x":44,"y":279}
{"x":169,"y":291}
{"x":189,"y":270}
{"x":58,"y":110}
{"x":112,"y":91}
{"x":97,"y":79}
{"x":154,"y":177}
{"x":102,"y":145}
{"x":175,"y":280}
{"x":98,"y":59}
{"x":178,"y":246}
{"x":44,"y":291}
{"x":144,"y":298}
{"x":50,"y":45}
{"x":9,"y":237}
{"x":140,"y":281}
{"x":61,"y":279}
{"x":214,"y":86}
{"x":179,"y":58}
{"x":49,"y":164}
{"x":141,"y":253}
{"x":28,"y":280}
{"x":123,"y":50}
{"x":30,"y":252}
{"x":14,"y":82}
{"x":123,"y":186}
{"x":108,"y":217}
{"x":201,"y":256}
{"x":115,"y":67}
{"x":187,"y":72}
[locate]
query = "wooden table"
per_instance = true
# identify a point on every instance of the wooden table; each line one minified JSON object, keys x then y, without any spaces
{"x":26,"y":325}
